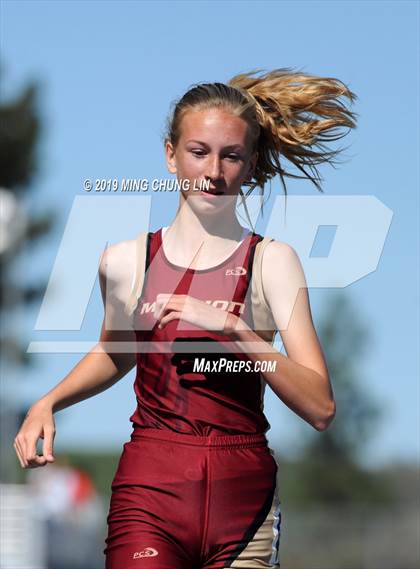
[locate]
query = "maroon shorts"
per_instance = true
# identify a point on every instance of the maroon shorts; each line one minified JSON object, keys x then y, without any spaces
{"x":182,"y":501}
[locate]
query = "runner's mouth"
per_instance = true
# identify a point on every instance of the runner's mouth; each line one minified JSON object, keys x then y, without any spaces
{"x":211,"y":191}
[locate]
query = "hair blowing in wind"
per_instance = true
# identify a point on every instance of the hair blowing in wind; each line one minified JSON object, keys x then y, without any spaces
{"x":292,"y":116}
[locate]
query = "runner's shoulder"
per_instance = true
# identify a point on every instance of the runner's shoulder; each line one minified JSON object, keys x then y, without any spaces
{"x":280,"y":263}
{"x":117,"y":262}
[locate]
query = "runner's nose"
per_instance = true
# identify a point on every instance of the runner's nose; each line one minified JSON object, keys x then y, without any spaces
{"x":214,"y":170}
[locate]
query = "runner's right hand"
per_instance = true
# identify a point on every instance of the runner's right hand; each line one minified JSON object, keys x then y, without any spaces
{"x":38,"y":423}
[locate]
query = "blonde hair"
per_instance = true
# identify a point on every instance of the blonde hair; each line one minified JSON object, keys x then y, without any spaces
{"x":291,"y":116}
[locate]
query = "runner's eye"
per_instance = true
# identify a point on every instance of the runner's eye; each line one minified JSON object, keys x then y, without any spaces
{"x":231,"y":157}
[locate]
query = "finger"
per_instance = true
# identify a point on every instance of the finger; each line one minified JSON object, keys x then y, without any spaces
{"x":40,"y":461}
{"x":162,"y":300}
{"x":36,"y":461}
{"x":28,"y":462}
{"x":166,"y":295}
{"x":160,"y":311}
{"x":48,"y":444}
{"x":169,"y":317}
{"x":162,"y":296}
{"x":19,"y":455}
{"x":165,"y":308}
{"x":22,"y":447}
{"x":31,"y":455}
{"x":160,"y":306}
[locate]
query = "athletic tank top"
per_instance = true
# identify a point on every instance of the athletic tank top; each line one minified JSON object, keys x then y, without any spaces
{"x":169,"y":394}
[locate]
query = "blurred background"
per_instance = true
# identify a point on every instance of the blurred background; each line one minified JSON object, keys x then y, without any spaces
{"x":85,"y":91}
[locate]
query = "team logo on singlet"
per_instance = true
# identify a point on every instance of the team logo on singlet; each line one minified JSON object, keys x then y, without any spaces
{"x":236,"y":272}
{"x":147,"y":552}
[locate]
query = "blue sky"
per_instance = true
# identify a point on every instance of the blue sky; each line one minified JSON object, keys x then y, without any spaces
{"x":108,"y":73}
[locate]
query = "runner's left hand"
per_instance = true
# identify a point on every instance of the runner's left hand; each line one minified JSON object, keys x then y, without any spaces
{"x":189,"y":309}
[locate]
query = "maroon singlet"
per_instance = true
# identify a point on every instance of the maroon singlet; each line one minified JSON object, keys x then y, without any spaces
{"x":169,"y":394}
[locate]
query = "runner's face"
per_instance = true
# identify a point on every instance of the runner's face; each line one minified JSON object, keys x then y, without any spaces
{"x":213,"y":146}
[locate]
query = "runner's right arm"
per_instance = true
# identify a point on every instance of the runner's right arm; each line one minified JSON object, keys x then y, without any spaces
{"x":94,"y":373}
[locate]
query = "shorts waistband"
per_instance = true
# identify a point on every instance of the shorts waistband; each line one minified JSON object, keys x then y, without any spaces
{"x":220,"y":441}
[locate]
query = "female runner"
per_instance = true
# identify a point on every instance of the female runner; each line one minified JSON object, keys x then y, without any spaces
{"x":201,"y":301}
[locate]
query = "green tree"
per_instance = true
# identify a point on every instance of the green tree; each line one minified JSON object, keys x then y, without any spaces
{"x":329,"y":470}
{"x":19,"y":142}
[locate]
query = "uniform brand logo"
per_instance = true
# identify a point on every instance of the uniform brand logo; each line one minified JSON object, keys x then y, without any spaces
{"x":147,"y":552}
{"x":236,"y":272}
